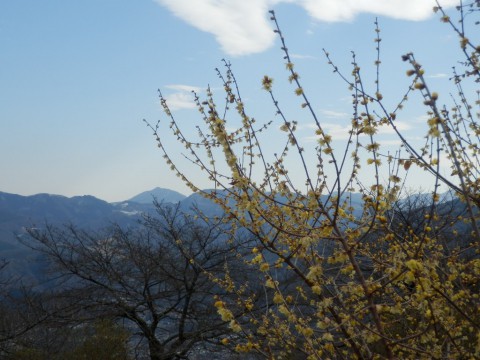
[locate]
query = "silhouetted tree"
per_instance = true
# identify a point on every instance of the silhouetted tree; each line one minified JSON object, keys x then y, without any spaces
{"x":155,"y":277}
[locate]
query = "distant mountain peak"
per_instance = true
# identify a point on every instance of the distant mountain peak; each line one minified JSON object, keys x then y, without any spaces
{"x":160,"y":194}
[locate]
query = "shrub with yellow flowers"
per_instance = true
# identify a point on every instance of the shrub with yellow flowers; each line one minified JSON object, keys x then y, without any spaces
{"x":397,"y":278}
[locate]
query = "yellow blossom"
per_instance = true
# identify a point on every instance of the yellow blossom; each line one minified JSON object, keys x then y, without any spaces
{"x":225,"y":314}
{"x":264,"y":267}
{"x":235,"y":326}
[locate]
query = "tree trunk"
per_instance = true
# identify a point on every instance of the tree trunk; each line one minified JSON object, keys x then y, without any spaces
{"x":156,"y":350}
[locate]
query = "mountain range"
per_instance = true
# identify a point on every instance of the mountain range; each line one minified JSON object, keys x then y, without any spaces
{"x":18,"y":212}
{"x":87,"y":212}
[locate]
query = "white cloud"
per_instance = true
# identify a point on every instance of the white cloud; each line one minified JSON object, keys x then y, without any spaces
{"x":342,"y":132}
{"x":422,"y":118}
{"x":390,"y":142}
{"x":336,"y":131}
{"x":400,"y":125}
{"x":346,"y":10}
{"x":436,"y":76}
{"x":334,"y":114}
{"x":186,"y":88}
{"x":182,"y":98}
{"x":445,"y":162}
{"x":302,"y":57}
{"x":242,"y":27}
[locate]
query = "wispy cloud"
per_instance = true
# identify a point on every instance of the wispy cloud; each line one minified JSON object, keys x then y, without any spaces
{"x":302,"y":57}
{"x":421,"y":119}
{"x":242,"y":27}
{"x":185,"y":88}
{"x":334,"y":114}
{"x":182,"y":98}
{"x":436,"y":76}
{"x":402,"y":126}
{"x":336,"y":131}
{"x":342,"y":132}
{"x":394,"y":142}
{"x":328,"y":114}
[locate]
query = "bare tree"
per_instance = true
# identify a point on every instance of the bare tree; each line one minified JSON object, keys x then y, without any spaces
{"x":22,"y":309}
{"x":155,"y":277}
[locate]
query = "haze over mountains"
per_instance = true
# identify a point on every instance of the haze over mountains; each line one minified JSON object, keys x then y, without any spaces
{"x":165,"y":195}
{"x":86,"y":212}
{"x":18,"y":212}
{"x":90,"y":213}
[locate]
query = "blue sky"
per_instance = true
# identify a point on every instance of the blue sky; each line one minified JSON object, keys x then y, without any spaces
{"x":78,"y":77}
